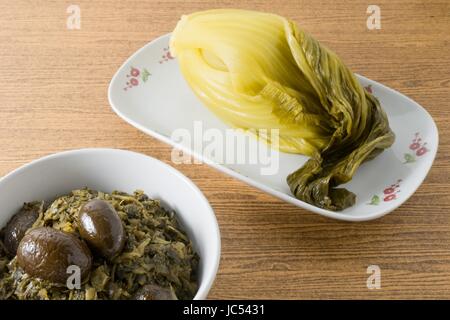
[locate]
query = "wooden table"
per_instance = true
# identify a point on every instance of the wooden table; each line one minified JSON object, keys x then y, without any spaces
{"x":53,"y":97}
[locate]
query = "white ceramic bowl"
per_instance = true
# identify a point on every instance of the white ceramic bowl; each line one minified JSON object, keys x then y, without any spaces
{"x":112,"y":169}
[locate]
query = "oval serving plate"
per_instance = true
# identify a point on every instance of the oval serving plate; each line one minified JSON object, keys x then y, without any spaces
{"x":149,"y":92}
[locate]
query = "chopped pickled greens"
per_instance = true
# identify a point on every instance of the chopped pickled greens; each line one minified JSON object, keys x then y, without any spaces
{"x":157,"y":254}
{"x":260,"y":71}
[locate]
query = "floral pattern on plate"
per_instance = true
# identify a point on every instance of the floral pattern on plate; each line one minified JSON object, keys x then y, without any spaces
{"x":135,"y":76}
{"x":417,"y":149}
{"x":166,"y":56}
{"x":389,"y":193}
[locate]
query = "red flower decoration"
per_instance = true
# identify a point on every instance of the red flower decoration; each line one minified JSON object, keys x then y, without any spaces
{"x":389,"y":190}
{"x":166,"y":56}
{"x":418,"y":148}
{"x":390,"y":193}
{"x":421,"y":151}
{"x":390,"y":197}
{"x":134,"y":81}
{"x":414,"y":146}
{"x":134,"y":76}
{"x":134,"y":72}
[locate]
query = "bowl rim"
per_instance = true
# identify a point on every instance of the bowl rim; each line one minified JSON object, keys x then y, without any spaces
{"x":208,"y":278}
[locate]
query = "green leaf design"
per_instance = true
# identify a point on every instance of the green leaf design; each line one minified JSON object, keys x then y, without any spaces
{"x":375,"y":200}
{"x":145,"y":75}
{"x":409,"y":158}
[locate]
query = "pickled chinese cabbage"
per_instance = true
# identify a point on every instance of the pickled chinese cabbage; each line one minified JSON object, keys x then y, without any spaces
{"x":260,"y":71}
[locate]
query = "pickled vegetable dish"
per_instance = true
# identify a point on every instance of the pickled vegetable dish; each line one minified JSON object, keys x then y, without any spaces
{"x":257,"y":70}
{"x":122,"y":246}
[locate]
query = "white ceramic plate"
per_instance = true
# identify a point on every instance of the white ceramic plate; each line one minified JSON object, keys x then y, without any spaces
{"x":112,"y":169}
{"x":149,"y":92}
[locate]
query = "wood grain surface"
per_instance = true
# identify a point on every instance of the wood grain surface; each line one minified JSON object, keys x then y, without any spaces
{"x":53,"y":97}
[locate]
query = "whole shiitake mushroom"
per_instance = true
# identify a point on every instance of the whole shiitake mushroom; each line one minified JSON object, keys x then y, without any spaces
{"x":100,"y":226}
{"x":46,"y":253}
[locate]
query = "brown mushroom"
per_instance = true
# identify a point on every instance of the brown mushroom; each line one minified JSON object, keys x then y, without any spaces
{"x":47,"y":253}
{"x":154,"y":292}
{"x":100,"y":226}
{"x":19,"y":224}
